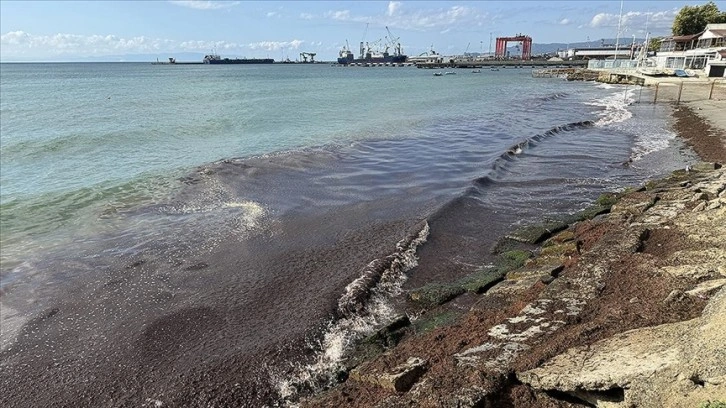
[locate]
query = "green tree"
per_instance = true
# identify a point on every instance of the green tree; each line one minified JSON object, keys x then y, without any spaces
{"x":654,"y":43}
{"x":693,"y":19}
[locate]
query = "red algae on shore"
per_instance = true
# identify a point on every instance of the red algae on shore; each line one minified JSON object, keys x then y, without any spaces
{"x":628,"y":318}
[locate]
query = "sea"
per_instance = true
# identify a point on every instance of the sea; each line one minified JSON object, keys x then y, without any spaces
{"x":196,"y":235}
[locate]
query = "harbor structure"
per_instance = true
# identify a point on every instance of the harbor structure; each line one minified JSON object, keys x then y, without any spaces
{"x":501,"y":48}
{"x":598,"y":53}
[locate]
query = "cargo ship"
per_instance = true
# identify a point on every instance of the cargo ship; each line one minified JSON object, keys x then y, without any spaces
{"x":369,"y":54}
{"x":216,"y":59}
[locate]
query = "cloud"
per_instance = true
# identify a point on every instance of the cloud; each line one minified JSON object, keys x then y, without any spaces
{"x":565,"y":21}
{"x":395,"y":15}
{"x":275,"y":45}
{"x":393,"y":7}
{"x":204,"y":5}
{"x":343,"y":15}
{"x":20,"y":42}
{"x":636,"y":21}
{"x":17,"y":45}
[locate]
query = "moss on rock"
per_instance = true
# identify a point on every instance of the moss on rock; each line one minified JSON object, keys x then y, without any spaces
{"x":435,"y":294}
{"x":534,"y":234}
{"x":430,"y":322}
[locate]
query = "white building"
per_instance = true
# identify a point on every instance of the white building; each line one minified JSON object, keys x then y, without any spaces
{"x":600,"y":53}
{"x":700,"y":51}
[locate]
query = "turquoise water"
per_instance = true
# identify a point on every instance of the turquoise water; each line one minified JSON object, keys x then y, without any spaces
{"x":82,"y":140}
{"x":200,"y":219}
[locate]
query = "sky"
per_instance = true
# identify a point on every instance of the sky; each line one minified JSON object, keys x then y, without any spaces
{"x":115,"y":30}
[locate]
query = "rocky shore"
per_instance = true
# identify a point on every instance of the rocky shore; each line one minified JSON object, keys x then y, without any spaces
{"x":623,"y":305}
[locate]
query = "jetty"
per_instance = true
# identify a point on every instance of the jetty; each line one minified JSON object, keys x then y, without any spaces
{"x":506,"y":63}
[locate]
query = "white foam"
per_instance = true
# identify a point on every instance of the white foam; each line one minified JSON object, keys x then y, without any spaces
{"x":615,"y":106}
{"x":11,"y":321}
{"x":649,"y":143}
{"x":340,"y":335}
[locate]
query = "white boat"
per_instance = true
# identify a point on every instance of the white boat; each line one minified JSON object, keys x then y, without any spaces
{"x":450,"y":73}
{"x":476,"y":71}
{"x":438,"y":74}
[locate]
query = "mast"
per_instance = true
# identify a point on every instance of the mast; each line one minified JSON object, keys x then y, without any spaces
{"x":617,"y":36}
{"x":644,"y":50}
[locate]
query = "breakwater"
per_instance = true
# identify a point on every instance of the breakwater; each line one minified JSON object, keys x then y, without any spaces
{"x":500,"y":64}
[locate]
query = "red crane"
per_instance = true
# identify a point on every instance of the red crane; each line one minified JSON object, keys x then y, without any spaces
{"x":501,"y":50}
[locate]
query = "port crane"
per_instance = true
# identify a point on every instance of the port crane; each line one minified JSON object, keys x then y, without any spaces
{"x":501,"y":51}
{"x":393,"y":42}
{"x":304,"y":56}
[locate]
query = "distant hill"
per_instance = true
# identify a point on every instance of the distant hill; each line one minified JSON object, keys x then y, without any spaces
{"x":180,"y":57}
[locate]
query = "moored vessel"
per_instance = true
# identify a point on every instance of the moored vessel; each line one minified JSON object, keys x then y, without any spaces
{"x":371,"y":52}
{"x":216,"y":59}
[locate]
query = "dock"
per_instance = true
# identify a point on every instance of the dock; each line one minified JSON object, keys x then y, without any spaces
{"x":502,"y":64}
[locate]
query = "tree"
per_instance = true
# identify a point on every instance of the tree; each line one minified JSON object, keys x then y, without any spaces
{"x":693,"y":19}
{"x":654,"y":44}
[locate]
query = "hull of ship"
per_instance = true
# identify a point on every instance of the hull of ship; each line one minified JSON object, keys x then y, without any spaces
{"x":241,"y":61}
{"x":396,"y":59}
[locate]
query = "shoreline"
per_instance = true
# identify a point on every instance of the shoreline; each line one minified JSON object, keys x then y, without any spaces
{"x":151,"y":352}
{"x":626,"y":294}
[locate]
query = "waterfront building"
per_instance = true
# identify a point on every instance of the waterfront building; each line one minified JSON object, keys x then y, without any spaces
{"x":702,"y":51}
{"x":598,"y":53}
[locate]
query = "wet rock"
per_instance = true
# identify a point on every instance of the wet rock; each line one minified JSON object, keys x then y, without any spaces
{"x":634,"y":204}
{"x":560,"y":238}
{"x":377,"y":343}
{"x":435,"y":294}
{"x":482,"y":281}
{"x":675,"y":296}
{"x":700,"y":207}
{"x":404,"y":376}
{"x":705,"y":166}
{"x":671,"y":365}
{"x":535,"y":234}
{"x":699,"y":196}
{"x":467,"y":398}
{"x":430,"y":321}
{"x":547,"y":279}
{"x":400,"y":379}
{"x":568,"y":248}
{"x":512,"y":260}
{"x":706,"y":287}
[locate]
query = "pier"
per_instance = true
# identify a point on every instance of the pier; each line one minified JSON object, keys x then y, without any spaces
{"x":502,"y":64}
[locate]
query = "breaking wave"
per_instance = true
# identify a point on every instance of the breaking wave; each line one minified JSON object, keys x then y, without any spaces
{"x":614,"y":108}
{"x":363,"y":307}
{"x":519,"y":147}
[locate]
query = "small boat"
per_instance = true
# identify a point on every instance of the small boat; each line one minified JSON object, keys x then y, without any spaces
{"x":450,"y":73}
{"x":495,"y":69}
{"x":438,"y":74}
{"x":476,"y":71}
